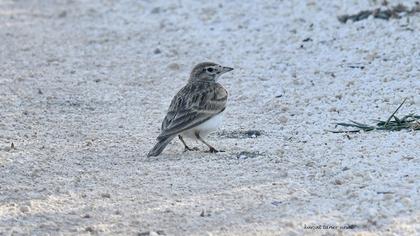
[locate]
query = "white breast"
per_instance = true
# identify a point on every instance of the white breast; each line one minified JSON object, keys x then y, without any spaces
{"x":205,"y":128}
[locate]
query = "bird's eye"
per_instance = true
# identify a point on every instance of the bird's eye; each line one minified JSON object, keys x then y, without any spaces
{"x":210,"y":69}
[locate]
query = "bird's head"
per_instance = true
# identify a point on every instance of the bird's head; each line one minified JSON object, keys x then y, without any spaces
{"x":208,"y":71}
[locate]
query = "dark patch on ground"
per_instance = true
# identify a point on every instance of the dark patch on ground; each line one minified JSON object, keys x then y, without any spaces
{"x":242,"y":134}
{"x":395,"y":12}
{"x":245,"y":155}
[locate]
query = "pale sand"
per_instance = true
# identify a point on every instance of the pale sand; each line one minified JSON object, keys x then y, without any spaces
{"x":83,"y":91}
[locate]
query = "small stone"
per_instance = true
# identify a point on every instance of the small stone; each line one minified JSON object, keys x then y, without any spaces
{"x":157,"y":51}
{"x":252,"y":133}
{"x":276,"y":203}
{"x":25,"y":209}
{"x":350,"y":83}
{"x":283,"y":119}
{"x":245,"y":155}
{"x":174,"y":66}
{"x":204,"y":213}
{"x":86,"y":216}
{"x":310,"y":164}
{"x":89,"y":229}
{"x":307,"y":39}
{"x":407,"y":202}
{"x":284,"y":108}
{"x":106,"y":195}
{"x":280,"y":152}
{"x":155,"y":10}
{"x":333,"y":109}
{"x":62,"y":14}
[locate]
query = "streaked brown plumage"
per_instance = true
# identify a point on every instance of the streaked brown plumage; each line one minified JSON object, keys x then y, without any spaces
{"x":194,"y":106}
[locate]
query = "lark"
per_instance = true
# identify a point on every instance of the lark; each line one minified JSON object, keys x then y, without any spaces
{"x":196,"y":110}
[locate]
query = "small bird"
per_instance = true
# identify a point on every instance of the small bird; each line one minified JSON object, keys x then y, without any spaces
{"x":196,"y":109}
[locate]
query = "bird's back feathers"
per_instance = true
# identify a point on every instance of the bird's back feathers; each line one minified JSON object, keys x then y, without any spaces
{"x":194,"y":104}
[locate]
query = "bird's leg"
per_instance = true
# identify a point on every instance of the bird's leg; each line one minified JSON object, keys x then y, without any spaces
{"x":212,"y":149}
{"x":186,"y":148}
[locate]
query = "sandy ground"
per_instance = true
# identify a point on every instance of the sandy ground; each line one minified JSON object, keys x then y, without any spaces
{"x":84,"y":86}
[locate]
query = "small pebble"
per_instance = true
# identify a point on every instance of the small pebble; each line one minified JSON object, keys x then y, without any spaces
{"x":204,"y":213}
{"x":174,"y":66}
{"x":25,"y":209}
{"x":307,"y":39}
{"x":252,"y":133}
{"x":333,"y":109}
{"x":276,"y":203}
{"x":62,"y":14}
{"x":152,"y":233}
{"x":89,"y":229}
{"x":155,"y":10}
{"x":283,"y":119}
{"x":157,"y":51}
{"x":106,"y":195}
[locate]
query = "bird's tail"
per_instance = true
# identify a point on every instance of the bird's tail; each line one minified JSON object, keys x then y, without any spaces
{"x":158,"y":148}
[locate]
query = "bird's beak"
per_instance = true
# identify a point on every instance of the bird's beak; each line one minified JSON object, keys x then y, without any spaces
{"x":226,"y":69}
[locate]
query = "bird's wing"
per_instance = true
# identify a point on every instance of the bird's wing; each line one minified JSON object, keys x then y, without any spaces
{"x":193,"y":105}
